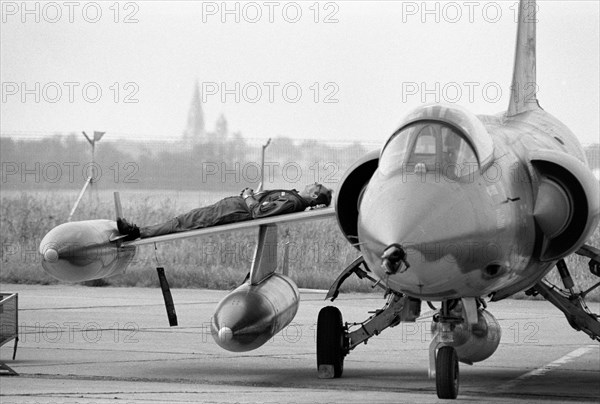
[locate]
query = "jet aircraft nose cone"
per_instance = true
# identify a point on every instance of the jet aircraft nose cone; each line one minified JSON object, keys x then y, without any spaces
{"x":413,"y":213}
{"x":225,"y":334}
{"x":446,"y":229}
{"x":51,"y":255}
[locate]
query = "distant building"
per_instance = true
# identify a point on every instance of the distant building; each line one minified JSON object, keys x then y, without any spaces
{"x":195,"y":131}
{"x":222,"y":128}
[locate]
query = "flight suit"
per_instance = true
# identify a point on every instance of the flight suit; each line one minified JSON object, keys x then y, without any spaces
{"x":230,"y":210}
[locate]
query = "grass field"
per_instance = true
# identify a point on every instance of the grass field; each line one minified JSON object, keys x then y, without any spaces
{"x":317,"y":250}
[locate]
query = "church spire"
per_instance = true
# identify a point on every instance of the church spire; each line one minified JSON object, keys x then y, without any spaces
{"x":195,"y":132}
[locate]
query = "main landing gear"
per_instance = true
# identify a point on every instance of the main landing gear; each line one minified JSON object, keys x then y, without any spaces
{"x":462,"y":331}
{"x":332,"y":343}
{"x":568,"y":300}
{"x":335,"y":339}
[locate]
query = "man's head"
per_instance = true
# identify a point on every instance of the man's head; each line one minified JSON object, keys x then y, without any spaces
{"x":316,"y":194}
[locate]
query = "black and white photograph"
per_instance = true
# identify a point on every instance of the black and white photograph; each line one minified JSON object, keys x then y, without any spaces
{"x":299,"y":201}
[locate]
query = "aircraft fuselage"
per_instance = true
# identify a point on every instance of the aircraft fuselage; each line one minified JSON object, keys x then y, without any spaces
{"x":468,"y":227}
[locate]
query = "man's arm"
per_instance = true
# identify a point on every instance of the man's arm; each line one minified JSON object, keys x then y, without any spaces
{"x":283,"y":204}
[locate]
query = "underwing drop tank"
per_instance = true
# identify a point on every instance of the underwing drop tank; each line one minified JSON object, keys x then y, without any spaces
{"x":252,"y":314}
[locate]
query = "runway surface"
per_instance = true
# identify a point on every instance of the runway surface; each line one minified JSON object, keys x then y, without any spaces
{"x":114,"y":345}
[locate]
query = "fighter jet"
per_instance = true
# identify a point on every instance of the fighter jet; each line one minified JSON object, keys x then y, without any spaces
{"x":456,"y":208}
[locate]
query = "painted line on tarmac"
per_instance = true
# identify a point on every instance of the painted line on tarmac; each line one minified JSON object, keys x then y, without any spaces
{"x":317,"y":291}
{"x":548,"y":367}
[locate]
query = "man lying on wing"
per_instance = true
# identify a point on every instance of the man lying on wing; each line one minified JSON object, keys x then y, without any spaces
{"x":248,"y":205}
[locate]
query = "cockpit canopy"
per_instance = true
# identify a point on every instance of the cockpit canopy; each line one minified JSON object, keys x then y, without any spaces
{"x":427,"y":147}
{"x":447,"y":140}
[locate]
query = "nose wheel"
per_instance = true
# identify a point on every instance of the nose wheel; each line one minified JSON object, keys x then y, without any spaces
{"x":331,"y":346}
{"x":446,"y":372}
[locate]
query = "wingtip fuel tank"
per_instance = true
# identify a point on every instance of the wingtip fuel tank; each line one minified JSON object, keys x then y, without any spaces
{"x":83,"y":251}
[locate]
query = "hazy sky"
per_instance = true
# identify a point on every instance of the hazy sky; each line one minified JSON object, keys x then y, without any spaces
{"x":359,"y":66}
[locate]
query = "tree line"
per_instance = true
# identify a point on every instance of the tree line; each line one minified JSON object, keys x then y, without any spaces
{"x":229,"y":164}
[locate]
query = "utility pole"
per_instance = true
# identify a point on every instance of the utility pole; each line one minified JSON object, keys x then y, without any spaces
{"x":262,"y":165}
{"x":88,"y":182}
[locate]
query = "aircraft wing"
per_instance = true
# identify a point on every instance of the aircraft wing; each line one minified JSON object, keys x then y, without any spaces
{"x":323,"y":213}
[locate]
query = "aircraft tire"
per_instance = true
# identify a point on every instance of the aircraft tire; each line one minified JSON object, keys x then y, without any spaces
{"x":330,"y":343}
{"x":446,"y":373}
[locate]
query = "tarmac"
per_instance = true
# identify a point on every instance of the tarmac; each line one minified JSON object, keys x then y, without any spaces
{"x":114,"y":345}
